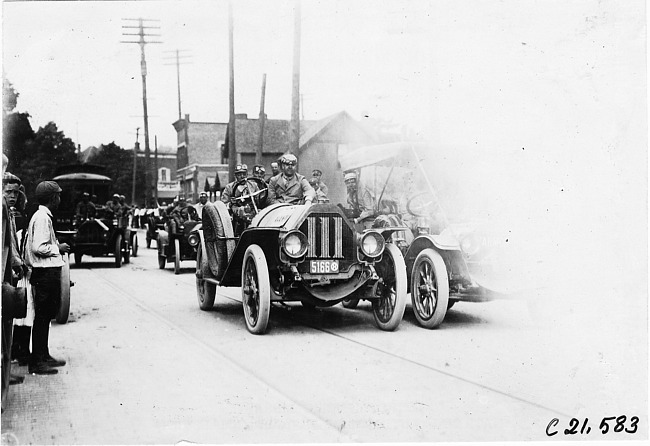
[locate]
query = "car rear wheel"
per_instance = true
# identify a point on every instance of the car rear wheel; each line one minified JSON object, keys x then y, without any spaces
{"x":205,"y":291}
{"x":388,"y":310}
{"x":77,"y":258}
{"x":217,"y":226}
{"x":256,"y":290}
{"x":429,"y":289}
{"x":118,"y":251}
{"x":64,"y":308}
{"x":177,"y":256}
{"x":126,"y":252}
{"x":134,"y":246}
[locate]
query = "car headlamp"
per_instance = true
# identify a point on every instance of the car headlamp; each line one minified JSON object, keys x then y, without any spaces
{"x":193,"y":239}
{"x":372,"y":244}
{"x":294,"y":244}
{"x":469,"y":245}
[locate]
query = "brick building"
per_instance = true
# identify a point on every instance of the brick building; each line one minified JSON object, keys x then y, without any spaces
{"x":202,"y":149}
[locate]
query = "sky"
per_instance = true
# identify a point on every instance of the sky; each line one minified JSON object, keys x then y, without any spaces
{"x":551,"y":95}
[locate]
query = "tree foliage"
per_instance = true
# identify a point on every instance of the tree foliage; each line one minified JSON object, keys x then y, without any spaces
{"x":119,"y":166}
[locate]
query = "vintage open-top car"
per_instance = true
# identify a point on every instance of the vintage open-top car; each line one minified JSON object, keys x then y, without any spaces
{"x":452,"y":252}
{"x":311,"y":254}
{"x":173,"y":245}
{"x":105,"y":234}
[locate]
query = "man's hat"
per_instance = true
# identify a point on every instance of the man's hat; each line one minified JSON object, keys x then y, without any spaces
{"x":317,"y":172}
{"x":259,"y":169}
{"x":241,"y":168}
{"x":350,"y":176}
{"x":274,"y":164}
{"x":203,"y":194}
{"x":85,"y":194}
{"x":47,"y":188}
{"x":10,"y":178}
{"x":289,"y":158}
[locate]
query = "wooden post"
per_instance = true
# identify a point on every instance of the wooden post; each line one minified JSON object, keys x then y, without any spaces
{"x":260,"y":140}
{"x":294,"y":127}
{"x":232,"y":151}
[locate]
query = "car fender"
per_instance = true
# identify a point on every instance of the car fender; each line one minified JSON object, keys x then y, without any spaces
{"x":446,"y":246}
{"x":163,"y":240}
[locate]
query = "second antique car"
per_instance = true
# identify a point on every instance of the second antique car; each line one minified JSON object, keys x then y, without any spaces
{"x":102,"y":235}
{"x":454,"y":248}
{"x":173,"y":243}
{"x":300,"y":253}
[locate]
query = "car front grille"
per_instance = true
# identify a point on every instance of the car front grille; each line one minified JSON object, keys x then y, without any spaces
{"x":329,"y":237}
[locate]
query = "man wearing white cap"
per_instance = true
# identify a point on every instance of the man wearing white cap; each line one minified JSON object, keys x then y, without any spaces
{"x":361,"y":201}
{"x":290,"y":186}
{"x":43,"y":254}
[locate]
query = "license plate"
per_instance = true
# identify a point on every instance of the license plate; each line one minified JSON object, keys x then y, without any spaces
{"x":324,"y":266}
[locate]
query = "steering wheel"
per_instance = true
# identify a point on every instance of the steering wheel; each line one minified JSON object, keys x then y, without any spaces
{"x":242,"y":191}
{"x":421,"y":205}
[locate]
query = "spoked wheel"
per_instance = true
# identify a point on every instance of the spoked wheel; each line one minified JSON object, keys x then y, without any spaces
{"x":134,"y":246}
{"x":177,"y":256}
{"x":429,"y":289}
{"x":205,"y":291}
{"x":256,"y":290}
{"x":388,"y":310}
{"x":126,"y":252}
{"x":118,"y":251}
{"x":64,"y":308}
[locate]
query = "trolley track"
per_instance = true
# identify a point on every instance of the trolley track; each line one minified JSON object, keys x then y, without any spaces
{"x":290,"y":316}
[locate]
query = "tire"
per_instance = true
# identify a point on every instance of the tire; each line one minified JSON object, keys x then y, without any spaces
{"x":177,"y":256}
{"x":205,"y":291}
{"x":77,"y":258}
{"x":118,"y":251}
{"x":429,"y":289}
{"x":126,"y":253}
{"x":350,"y":303}
{"x":256,"y":290}
{"x":216,"y":223}
{"x":388,"y":310}
{"x":148,"y":241}
{"x":161,"y":261}
{"x":134,"y":246}
{"x":64,"y":308}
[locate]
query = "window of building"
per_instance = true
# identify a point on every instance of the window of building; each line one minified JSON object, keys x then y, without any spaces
{"x":163,"y":174}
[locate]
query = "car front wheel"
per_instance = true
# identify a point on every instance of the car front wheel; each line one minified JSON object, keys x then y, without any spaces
{"x":429,"y":288}
{"x":205,"y":291}
{"x":134,"y":246}
{"x":388,"y":309}
{"x":118,"y":251}
{"x":177,"y":256}
{"x":256,"y":290}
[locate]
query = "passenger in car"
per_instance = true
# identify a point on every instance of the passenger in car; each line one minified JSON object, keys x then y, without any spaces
{"x":290,"y":186}
{"x":360,"y":199}
{"x":318,"y":174}
{"x":241,"y":172}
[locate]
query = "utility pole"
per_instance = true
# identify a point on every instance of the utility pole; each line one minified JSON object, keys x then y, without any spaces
{"x":155,"y":170}
{"x":142,"y":34}
{"x":135,"y":158}
{"x":260,"y":140}
{"x":232,"y":151}
{"x":294,"y":126}
{"x":178,"y":57}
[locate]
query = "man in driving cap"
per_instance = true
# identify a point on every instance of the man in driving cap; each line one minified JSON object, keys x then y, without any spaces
{"x":85,"y":208}
{"x":241,"y":172}
{"x":43,"y":253}
{"x":360,"y":200}
{"x":259,"y":172}
{"x":290,"y":186}
{"x":317,"y":173}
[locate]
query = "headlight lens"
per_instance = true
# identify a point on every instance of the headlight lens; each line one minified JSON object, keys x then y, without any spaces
{"x":372,"y":244}
{"x":193,"y":239}
{"x":295,"y":244}
{"x":470,"y":245}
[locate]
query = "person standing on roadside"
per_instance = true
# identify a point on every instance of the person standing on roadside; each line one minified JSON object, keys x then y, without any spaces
{"x":43,"y":253}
